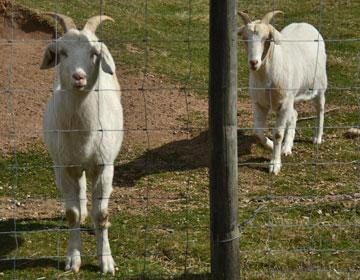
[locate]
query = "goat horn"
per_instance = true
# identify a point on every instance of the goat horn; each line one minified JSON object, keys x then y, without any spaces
{"x":66,"y":22}
{"x":268,"y":17}
{"x":93,"y":22}
{"x":245,"y":17}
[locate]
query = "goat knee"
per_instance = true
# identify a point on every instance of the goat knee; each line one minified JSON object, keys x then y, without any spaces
{"x":72,"y":216}
{"x":101,"y":219}
{"x":278,"y":135}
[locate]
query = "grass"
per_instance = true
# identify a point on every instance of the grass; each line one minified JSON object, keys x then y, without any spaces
{"x":308,"y":226}
{"x":169,"y":25}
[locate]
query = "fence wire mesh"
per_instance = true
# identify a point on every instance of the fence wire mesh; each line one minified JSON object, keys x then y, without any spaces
{"x":301,"y":224}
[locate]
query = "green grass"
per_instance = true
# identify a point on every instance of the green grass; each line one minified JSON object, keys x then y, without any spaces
{"x":158,"y":236}
{"x":172,"y":225}
{"x":169,"y":25}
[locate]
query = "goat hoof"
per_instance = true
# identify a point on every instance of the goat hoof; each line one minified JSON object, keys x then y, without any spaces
{"x":73,"y":262}
{"x":107,"y":264}
{"x":286,"y":151}
{"x":274,"y":167}
{"x":317,"y":140}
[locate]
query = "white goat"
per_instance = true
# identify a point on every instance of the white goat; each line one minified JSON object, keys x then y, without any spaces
{"x":83,"y":125}
{"x":285,"y":67}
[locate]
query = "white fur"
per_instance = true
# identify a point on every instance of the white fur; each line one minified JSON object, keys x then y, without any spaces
{"x":83,"y":133}
{"x":291,"y":71}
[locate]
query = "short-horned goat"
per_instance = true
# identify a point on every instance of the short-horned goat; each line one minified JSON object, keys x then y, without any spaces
{"x":285,"y":67}
{"x":83,"y":130}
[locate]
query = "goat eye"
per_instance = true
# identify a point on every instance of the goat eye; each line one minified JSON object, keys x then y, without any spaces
{"x":94,"y":56}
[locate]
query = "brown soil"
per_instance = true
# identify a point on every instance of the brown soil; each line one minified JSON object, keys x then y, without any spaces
{"x":29,"y":208}
{"x":125,"y":199}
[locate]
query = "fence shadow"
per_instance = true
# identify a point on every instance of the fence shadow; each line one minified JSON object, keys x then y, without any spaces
{"x":179,"y":155}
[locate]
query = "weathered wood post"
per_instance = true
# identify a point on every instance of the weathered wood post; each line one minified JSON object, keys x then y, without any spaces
{"x":225,"y":264}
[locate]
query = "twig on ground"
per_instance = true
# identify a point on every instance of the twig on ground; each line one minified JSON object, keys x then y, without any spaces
{"x":314,"y":117}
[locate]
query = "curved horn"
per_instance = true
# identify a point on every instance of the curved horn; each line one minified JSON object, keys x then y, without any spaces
{"x":93,"y":22}
{"x":245,"y":17}
{"x":268,"y":17}
{"x":66,"y":22}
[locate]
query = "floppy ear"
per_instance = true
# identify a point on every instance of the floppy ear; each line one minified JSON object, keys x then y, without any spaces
{"x":50,"y":57}
{"x":275,"y":35}
{"x":107,"y":61}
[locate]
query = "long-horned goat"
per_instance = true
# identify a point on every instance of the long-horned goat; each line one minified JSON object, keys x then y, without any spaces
{"x":285,"y":67}
{"x":83,"y":130}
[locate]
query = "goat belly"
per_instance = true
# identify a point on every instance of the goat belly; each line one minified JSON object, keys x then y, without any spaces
{"x":88,"y":148}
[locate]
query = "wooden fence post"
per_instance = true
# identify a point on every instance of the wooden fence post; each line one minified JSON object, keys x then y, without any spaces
{"x":225,"y":261}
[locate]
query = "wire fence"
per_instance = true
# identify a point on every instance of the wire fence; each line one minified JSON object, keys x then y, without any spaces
{"x":302,"y":224}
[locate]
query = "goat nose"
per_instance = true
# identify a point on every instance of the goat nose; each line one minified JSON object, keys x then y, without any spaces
{"x":254,"y":62}
{"x":78,"y":76}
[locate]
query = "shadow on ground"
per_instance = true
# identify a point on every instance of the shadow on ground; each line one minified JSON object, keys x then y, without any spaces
{"x":205,"y":276}
{"x":258,"y":163}
{"x":10,"y":242}
{"x":179,"y":155}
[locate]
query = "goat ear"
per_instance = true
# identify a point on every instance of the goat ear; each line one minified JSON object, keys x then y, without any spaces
{"x":50,"y":57}
{"x":107,"y":62}
{"x":241,"y":30}
{"x":275,"y":35}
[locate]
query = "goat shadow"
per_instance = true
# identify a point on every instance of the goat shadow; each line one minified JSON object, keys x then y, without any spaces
{"x":179,"y":155}
{"x":10,"y":243}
